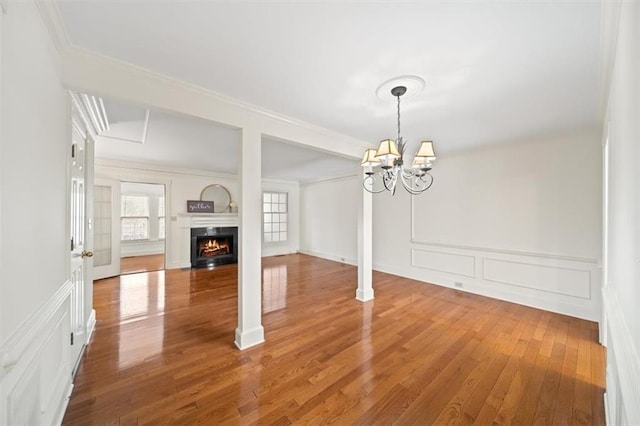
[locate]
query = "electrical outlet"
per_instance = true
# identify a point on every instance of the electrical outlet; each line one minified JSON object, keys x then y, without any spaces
{"x":458,"y":284}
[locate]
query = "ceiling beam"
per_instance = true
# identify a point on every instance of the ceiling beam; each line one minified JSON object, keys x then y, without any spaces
{"x":92,"y":73}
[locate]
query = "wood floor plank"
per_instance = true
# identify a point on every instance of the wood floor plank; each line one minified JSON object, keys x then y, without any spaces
{"x":163,"y":353}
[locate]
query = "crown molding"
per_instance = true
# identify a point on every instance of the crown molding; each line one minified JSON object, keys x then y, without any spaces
{"x":55,"y":25}
{"x":328,"y":179}
{"x":609,"y":19}
{"x":133,"y":166}
{"x":136,"y":166}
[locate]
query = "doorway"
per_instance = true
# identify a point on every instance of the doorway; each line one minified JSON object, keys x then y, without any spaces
{"x":142,"y":227}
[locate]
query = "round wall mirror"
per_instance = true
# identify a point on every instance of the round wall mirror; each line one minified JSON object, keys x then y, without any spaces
{"x":220,"y":196}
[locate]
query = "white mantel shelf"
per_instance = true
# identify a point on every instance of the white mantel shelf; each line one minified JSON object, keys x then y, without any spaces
{"x":204,"y":220}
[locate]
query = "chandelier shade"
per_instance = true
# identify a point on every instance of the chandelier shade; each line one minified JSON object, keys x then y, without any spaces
{"x":426,"y":150}
{"x":388,"y":150}
{"x":370,"y":158}
{"x":390,"y":158}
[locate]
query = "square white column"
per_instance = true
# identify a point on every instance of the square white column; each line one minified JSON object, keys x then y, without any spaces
{"x":250,"y":331}
{"x":365,"y":247}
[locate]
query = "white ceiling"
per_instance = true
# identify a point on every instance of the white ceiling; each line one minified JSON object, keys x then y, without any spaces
{"x":193,"y":143}
{"x":495,"y":71}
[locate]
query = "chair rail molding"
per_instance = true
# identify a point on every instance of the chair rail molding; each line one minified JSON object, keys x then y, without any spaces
{"x":35,"y":377}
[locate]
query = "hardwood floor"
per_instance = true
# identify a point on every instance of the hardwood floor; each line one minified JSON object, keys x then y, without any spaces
{"x":420,"y":354}
{"x":134,"y":264}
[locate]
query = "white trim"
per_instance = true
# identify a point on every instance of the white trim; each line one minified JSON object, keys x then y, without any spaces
{"x":83,"y":71}
{"x":329,"y":256}
{"x":364,"y":295}
{"x":54,"y":23}
{"x":249,"y":338}
{"x":75,"y":57}
{"x":157,"y":168}
{"x":91,"y":325}
{"x":609,"y":18}
{"x":536,"y":298}
{"x":329,"y":179}
{"x":504,"y":251}
{"x":14,"y":348}
{"x":63,"y":407}
{"x":29,"y":380}
{"x":624,"y":360}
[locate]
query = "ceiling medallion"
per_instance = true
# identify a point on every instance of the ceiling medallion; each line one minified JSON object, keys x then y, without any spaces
{"x":414,"y":85}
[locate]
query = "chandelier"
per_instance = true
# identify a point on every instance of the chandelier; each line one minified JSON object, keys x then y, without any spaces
{"x":384,"y":167}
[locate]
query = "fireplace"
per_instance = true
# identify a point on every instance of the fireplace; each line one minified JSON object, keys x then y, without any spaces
{"x":214,"y":246}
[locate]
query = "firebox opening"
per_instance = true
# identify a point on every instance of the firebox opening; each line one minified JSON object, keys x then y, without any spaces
{"x":214,"y":246}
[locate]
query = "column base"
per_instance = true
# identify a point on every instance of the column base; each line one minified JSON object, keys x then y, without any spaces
{"x":364,"y":295}
{"x":248,"y":338}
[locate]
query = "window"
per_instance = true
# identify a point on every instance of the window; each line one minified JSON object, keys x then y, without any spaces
{"x":274,"y":209}
{"x":134,"y":217}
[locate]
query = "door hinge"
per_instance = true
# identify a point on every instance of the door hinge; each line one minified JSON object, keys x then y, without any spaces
{"x":72,"y":245}
{"x":71,"y":339}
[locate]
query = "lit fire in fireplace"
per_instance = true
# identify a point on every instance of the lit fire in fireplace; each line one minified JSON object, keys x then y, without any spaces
{"x":213,"y":247}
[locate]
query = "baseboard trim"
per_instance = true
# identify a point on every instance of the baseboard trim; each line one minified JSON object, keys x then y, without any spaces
{"x":63,"y":406}
{"x":248,"y":338}
{"x":328,"y":256}
{"x":91,"y":325}
{"x":364,"y":295}
{"x":624,"y":360}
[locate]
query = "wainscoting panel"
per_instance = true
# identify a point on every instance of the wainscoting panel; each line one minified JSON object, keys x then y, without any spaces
{"x":458,"y":264}
{"x":623,"y":366}
{"x":562,"y":284}
{"x":553,"y":279}
{"x":36,"y":366}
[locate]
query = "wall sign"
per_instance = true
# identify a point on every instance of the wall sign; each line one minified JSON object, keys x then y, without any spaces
{"x":197,"y":206}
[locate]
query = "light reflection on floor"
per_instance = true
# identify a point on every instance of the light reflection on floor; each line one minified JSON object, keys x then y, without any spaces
{"x":274,"y":288}
{"x":142,"y":296}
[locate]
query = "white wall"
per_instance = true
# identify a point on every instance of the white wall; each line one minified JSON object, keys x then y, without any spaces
{"x":35,"y":291}
{"x":182,"y":185}
{"x":621,"y":292}
{"x":520,"y":222}
{"x":328,"y":221}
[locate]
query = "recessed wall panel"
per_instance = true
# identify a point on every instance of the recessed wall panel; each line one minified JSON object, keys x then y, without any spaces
{"x":554,"y":279}
{"x":444,"y":262}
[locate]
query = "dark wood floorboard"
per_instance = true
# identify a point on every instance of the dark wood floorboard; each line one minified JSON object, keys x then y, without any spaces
{"x":163,"y":353}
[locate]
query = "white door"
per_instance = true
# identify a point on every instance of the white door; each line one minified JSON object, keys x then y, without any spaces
{"x":106,"y":228}
{"x":80,"y":165}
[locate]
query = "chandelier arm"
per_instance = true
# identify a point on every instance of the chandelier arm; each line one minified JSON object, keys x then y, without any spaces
{"x":409,"y":179}
{"x":390,"y":178}
{"x":371,"y":178}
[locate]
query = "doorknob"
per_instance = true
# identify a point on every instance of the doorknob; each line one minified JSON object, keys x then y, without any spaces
{"x":87,"y":254}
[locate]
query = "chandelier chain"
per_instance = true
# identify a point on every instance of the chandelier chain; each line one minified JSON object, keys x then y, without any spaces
{"x":398,"y":119}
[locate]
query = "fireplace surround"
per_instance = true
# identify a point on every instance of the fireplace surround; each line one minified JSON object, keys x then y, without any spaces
{"x":213,"y":246}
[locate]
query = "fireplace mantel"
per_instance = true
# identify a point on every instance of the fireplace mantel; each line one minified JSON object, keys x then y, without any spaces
{"x":187,"y":221}
{"x":203,"y":220}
